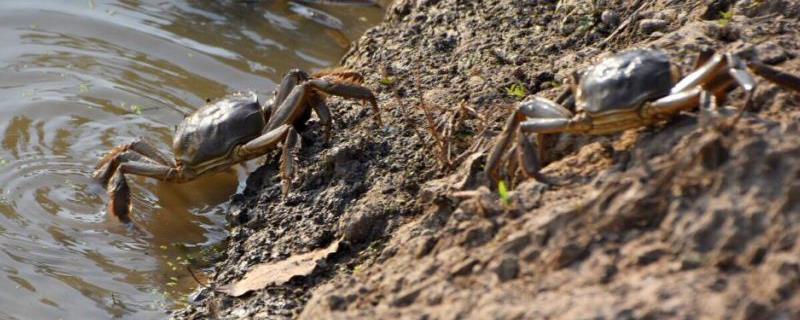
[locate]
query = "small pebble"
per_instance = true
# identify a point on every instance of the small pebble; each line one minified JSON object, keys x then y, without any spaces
{"x":649,"y":26}
{"x":609,"y":18}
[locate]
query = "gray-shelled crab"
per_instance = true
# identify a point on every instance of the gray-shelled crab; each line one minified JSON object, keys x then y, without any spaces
{"x":628,"y":90}
{"x":232,"y":130}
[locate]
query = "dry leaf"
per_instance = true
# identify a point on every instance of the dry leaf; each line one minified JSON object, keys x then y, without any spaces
{"x":280,"y":272}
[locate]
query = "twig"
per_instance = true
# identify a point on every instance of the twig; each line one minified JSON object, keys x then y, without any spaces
{"x":194,"y":276}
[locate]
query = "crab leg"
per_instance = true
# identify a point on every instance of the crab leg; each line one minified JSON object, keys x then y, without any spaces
{"x":672,"y":103}
{"x":687,"y":93}
{"x":739,"y":71}
{"x":703,"y":57}
{"x":119,"y":192}
{"x":268,"y":141}
{"x":288,"y":166}
{"x":293,"y":107}
{"x":149,"y":151}
{"x":263,"y":143}
{"x":108,"y":165}
{"x":290,"y":80}
{"x":158,"y":171}
{"x":502,"y":144}
{"x":702,"y":75}
{"x":348,"y":90}
{"x":512,"y":164}
{"x":324,"y":114}
{"x":539,"y":109}
{"x":783,"y":79}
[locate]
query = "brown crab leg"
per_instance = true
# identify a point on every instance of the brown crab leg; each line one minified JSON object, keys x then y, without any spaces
{"x":712,"y":76}
{"x":290,"y":80}
{"x":324,"y":114}
{"x":108,"y":165}
{"x":348,"y":90}
{"x":537,"y":108}
{"x":119,"y":192}
{"x":512,"y":164}
{"x":151,"y":152}
{"x":288,"y":166}
{"x":268,"y":141}
{"x":672,"y":103}
{"x":263,"y":143}
{"x":702,"y":58}
{"x":783,"y":79}
{"x":158,"y":171}
{"x":708,"y":108}
{"x":702,"y":75}
{"x":292,"y":108}
{"x":503,"y":143}
{"x":738,"y":71}
{"x":342,"y":75}
{"x":529,"y":160}
{"x":134,"y":151}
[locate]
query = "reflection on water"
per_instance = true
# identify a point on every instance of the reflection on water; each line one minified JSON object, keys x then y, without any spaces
{"x":78,"y":77}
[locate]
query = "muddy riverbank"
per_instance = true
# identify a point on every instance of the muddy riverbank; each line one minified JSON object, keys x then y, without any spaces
{"x":674,"y":220}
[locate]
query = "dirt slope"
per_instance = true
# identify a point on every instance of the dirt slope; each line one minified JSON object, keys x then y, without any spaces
{"x":673,"y":221}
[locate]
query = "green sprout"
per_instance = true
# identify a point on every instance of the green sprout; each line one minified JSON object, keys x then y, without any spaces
{"x":387,"y":81}
{"x":137,"y":109}
{"x":725,"y":18}
{"x":585,"y":24}
{"x":358,"y":269}
{"x":517,"y":91}
{"x":503,"y":191}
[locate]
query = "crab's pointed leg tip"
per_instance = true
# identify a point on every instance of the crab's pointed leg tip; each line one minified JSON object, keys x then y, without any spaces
{"x":119,"y":203}
{"x":120,"y":208}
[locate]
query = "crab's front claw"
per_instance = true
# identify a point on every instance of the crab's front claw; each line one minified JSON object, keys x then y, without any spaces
{"x":119,"y":194}
{"x":108,"y":164}
{"x":104,"y":171}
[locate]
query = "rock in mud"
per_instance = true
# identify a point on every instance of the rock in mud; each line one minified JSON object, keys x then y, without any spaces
{"x":649,"y":26}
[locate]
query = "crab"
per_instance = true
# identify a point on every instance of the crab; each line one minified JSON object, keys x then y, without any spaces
{"x":631,"y":89}
{"x":232,"y":130}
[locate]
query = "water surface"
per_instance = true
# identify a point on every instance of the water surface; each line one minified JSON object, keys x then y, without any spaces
{"x":79,"y":77}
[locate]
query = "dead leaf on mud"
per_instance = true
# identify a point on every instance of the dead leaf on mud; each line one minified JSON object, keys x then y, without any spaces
{"x":280,"y":272}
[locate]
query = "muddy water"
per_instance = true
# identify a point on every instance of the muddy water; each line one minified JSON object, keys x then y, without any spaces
{"x":78,"y":77}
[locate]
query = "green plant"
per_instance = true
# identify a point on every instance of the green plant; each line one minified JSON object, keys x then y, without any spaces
{"x":387,"y":81}
{"x":502,"y":190}
{"x":725,"y":18}
{"x":517,"y":91}
{"x":585,"y":23}
{"x":137,"y":109}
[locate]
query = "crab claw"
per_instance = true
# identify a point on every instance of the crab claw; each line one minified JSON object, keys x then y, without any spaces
{"x":120,"y":197}
{"x":103,"y":172}
{"x":108,"y":164}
